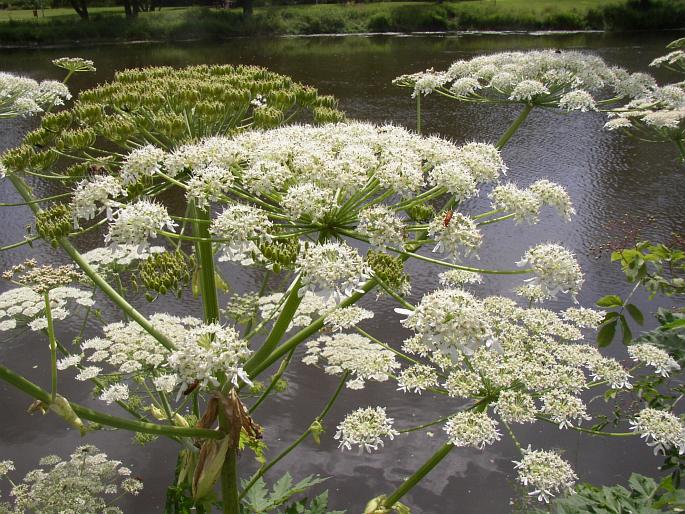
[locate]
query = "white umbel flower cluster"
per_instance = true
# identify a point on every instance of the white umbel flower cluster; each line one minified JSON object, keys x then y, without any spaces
{"x":115,"y":393}
{"x":311,"y":307}
{"x":86,"y":483}
{"x":206,"y":352}
{"x":417,"y":378}
{"x":382,"y":226}
{"x":365,"y":428}
{"x":309,"y":201}
{"x":566,"y":80}
{"x":332,"y":270}
{"x":457,"y":236}
{"x":584,"y":317}
{"x":110,"y":259}
{"x":525,"y":204}
{"x":129,"y":349}
{"x":458,"y":277}
{"x":347,"y":317}
{"x":516,"y":407}
{"x":94,"y":195}
{"x":362,"y":358}
{"x":655,"y":357}
{"x":141,"y":163}
{"x":474,"y":429}
{"x":24,"y":306}
{"x":450,"y":320}
{"x":660,"y":429}
{"x":207,"y":183}
{"x":546,"y":473}
{"x":556,"y":269}
{"x":135,"y":223}
{"x":21,"y":96}
{"x":243,"y":227}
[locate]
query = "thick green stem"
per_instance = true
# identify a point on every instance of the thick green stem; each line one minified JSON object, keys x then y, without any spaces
{"x":53,"y":348}
{"x":514,"y":127}
{"x":205,"y":256}
{"x":309,"y":330}
{"x":106,"y":419}
{"x":102,"y":284}
{"x":210,"y":304}
{"x":279,"y":329}
{"x":418,"y":475}
{"x":229,"y":483}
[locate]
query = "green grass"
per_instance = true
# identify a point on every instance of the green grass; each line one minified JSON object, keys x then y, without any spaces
{"x":109,"y":23}
{"x":27,"y":14}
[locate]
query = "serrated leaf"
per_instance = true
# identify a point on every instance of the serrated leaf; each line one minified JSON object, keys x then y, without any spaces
{"x":609,"y":301}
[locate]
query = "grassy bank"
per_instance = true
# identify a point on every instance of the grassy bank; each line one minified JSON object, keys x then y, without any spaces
{"x":106,"y":24}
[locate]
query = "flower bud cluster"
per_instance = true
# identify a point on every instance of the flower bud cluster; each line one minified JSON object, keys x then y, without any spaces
{"x":165,"y":272}
{"x":54,"y":222}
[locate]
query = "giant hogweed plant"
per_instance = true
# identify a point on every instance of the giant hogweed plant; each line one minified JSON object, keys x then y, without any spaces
{"x":334,"y":209}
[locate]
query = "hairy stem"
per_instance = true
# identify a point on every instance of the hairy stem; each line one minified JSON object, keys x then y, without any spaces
{"x":53,"y":348}
{"x":38,"y":393}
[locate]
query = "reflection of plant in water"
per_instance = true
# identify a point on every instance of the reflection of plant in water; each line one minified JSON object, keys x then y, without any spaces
{"x":332,"y":210}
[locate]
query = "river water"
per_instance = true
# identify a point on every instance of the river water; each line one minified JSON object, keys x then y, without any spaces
{"x":622,"y":189}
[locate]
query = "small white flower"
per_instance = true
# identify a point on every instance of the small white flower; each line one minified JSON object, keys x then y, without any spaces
{"x":660,"y":429}
{"x":366,"y":428}
{"x":135,"y":223}
{"x":528,"y":90}
{"x":457,"y":237}
{"x":332,"y":270}
{"x":546,"y":473}
{"x":140,"y":163}
{"x":382,"y":226}
{"x":309,"y":201}
{"x":353,"y":353}
{"x":654,"y":356}
{"x":68,"y":362}
{"x":115,"y":393}
{"x":474,"y":429}
{"x":578,"y":100}
{"x":556,"y":269}
{"x":347,"y":317}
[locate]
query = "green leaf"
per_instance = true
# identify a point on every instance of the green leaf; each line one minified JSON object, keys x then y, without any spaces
{"x":609,"y":301}
{"x":679,"y":323}
{"x":627,"y":333}
{"x":635,"y":313}
{"x":606,"y":333}
{"x":195,"y":283}
{"x":221,"y":284}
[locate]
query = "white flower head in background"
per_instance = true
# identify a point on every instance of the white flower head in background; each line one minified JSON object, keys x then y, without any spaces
{"x":546,"y":473}
{"x":365,"y":428}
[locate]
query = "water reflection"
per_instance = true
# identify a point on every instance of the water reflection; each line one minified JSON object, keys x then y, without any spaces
{"x":608,"y":177}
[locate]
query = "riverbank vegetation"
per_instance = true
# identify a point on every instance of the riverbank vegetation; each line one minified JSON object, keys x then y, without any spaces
{"x":60,"y":26}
